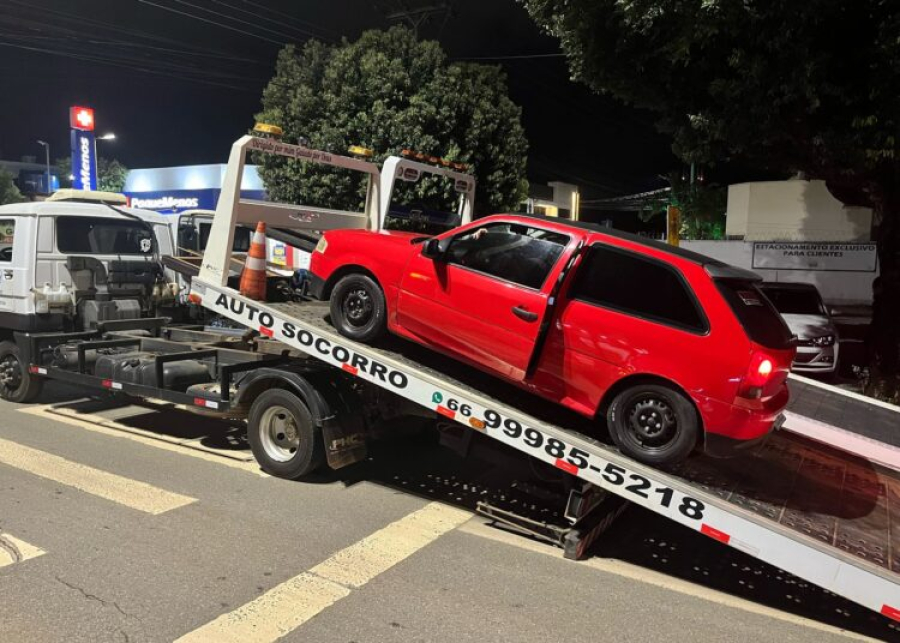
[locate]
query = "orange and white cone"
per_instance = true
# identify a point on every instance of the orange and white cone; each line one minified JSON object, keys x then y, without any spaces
{"x":253,"y":277}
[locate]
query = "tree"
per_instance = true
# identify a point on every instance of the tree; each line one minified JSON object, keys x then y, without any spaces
{"x":388,"y":91}
{"x":111,"y":174}
{"x":9,"y":192}
{"x":788,"y":85}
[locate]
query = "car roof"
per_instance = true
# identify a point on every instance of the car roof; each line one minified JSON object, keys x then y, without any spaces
{"x":715,"y":268}
{"x":73,"y":208}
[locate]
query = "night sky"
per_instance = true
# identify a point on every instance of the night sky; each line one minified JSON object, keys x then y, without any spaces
{"x":178,"y":89}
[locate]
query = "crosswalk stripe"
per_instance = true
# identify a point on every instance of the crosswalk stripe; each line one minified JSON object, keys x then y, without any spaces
{"x":13,"y":550}
{"x":124,"y":491}
{"x":96,"y":424}
{"x":287,"y":606}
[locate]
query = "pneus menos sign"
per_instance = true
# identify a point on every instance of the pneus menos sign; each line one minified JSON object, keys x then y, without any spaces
{"x":836,"y":257}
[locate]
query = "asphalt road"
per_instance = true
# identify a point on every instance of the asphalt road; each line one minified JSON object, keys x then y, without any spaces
{"x":115,"y":535}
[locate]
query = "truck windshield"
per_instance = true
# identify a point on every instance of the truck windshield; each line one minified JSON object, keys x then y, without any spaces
{"x":102,"y":236}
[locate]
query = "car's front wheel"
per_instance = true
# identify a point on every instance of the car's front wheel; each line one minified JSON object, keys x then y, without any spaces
{"x":358,"y":308}
{"x":653,"y":423}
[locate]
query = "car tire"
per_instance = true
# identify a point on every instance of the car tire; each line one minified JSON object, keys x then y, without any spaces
{"x":654,"y":424}
{"x":17,"y":384}
{"x":358,"y":308}
{"x":283,"y":436}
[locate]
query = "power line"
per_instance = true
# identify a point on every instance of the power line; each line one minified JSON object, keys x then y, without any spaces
{"x":232,"y":18}
{"x":69,"y":54}
{"x":257,"y":15}
{"x":335,"y":35}
{"x":119,"y":30}
{"x":212,"y":22}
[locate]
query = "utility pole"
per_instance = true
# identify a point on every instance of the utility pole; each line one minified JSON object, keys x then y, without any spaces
{"x":46,"y":146}
{"x":417,"y":13}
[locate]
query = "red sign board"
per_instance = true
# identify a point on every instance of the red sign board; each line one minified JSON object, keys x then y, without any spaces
{"x":81,"y":118}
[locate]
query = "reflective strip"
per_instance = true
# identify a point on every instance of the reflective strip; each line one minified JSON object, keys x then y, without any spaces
{"x":259,"y":238}
{"x":254,"y":263}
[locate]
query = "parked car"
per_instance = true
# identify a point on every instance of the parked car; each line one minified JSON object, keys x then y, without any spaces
{"x":670,"y":349}
{"x":805,"y":313}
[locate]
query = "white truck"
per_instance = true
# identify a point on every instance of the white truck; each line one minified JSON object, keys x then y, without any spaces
{"x":310,"y":397}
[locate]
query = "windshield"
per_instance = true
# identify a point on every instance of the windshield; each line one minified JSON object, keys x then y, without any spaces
{"x":101,"y":236}
{"x":789,"y":301}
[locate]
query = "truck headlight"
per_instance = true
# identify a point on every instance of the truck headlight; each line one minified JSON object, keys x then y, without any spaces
{"x":321,"y":246}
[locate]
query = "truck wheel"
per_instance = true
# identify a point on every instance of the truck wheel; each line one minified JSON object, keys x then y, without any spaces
{"x":284,"y":439}
{"x":16,"y":383}
{"x":358,"y":309}
{"x":654,"y":424}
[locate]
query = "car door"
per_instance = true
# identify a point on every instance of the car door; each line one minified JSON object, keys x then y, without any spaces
{"x":484,"y":299}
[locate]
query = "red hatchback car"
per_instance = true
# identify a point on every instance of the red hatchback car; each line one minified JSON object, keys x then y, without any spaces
{"x":672,"y":349}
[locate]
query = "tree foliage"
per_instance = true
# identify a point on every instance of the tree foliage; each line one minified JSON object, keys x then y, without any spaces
{"x":388,"y":91}
{"x":111,"y":174}
{"x":9,"y":192}
{"x":789,"y":85}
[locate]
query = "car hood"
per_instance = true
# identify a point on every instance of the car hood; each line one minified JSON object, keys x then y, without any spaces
{"x":806,"y":326}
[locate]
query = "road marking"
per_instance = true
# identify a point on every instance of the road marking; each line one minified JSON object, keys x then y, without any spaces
{"x":290,"y":604}
{"x":13,"y":550}
{"x":96,"y":424}
{"x":657,"y":579}
{"x":192,"y":443}
{"x":124,"y":491}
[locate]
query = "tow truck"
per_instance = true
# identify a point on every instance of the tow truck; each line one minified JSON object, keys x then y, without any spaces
{"x":310,"y":397}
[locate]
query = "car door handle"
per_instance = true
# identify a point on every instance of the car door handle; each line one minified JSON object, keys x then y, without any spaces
{"x":522,"y":313}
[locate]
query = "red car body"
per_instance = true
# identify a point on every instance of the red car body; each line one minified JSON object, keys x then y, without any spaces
{"x":572,"y":350}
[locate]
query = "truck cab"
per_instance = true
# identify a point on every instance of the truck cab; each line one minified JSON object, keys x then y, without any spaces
{"x":59,"y":260}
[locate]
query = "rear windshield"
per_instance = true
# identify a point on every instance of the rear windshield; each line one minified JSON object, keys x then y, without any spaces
{"x":790,"y":301}
{"x":101,"y":236}
{"x":756,"y":313}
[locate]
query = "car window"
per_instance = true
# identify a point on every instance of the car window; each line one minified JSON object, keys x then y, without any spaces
{"x":95,"y":235}
{"x":756,"y":313}
{"x":7,"y":233}
{"x":518,"y":253}
{"x":629,"y":283}
{"x":791,"y":301}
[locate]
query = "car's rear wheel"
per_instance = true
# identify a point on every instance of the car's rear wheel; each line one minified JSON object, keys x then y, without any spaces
{"x":16,"y":383}
{"x":358,"y":309}
{"x":653,"y":423}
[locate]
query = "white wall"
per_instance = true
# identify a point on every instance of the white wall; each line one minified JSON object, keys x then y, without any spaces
{"x":794,"y":210}
{"x":836,"y":287}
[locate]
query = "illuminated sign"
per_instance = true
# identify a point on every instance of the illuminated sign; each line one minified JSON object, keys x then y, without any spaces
{"x":84,"y":161}
{"x":84,"y":149}
{"x":81,"y":118}
{"x":165,"y":203}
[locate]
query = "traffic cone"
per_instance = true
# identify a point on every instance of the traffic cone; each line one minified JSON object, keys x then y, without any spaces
{"x":253,"y":277}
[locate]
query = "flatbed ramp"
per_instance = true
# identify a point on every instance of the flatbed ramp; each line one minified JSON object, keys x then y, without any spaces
{"x":822,"y":515}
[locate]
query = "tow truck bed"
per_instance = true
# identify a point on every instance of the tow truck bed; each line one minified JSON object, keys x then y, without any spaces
{"x":822,"y":515}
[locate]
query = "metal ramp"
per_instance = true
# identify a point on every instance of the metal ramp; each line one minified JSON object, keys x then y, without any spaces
{"x":822,"y":516}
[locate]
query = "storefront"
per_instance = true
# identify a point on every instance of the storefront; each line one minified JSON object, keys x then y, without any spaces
{"x":189,"y":187}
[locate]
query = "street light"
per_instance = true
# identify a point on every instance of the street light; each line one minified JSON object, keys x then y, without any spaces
{"x":107,"y":137}
{"x":47,"y":150}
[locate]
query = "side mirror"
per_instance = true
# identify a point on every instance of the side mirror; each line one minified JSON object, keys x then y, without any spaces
{"x":435,"y":248}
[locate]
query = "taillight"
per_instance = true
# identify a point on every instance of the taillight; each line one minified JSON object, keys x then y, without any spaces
{"x":759,"y":372}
